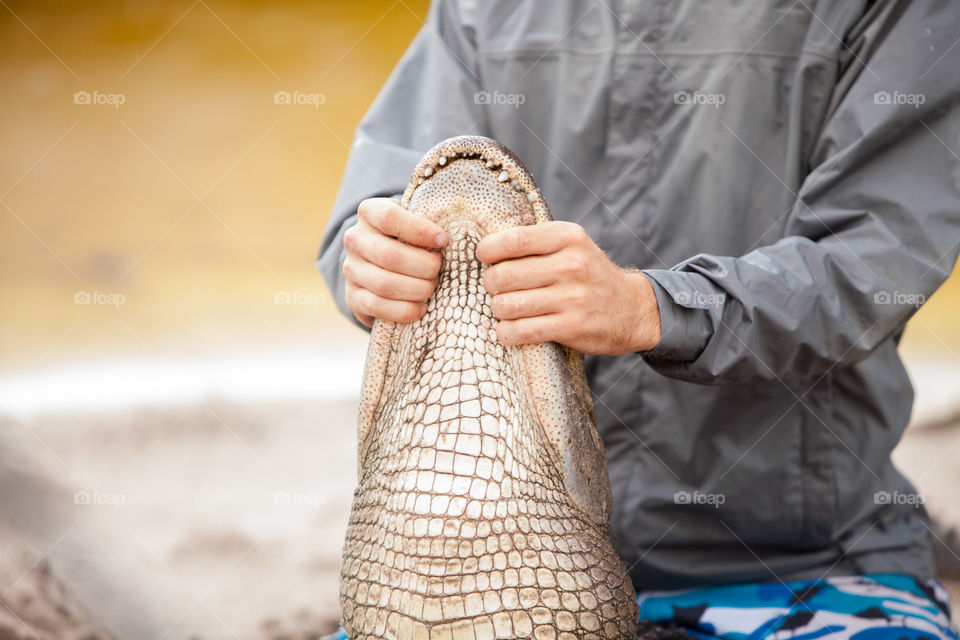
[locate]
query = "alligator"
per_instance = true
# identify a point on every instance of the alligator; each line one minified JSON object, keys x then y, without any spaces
{"x":483,"y":502}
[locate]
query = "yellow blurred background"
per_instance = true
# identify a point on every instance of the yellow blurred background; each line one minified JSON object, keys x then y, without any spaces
{"x":188,"y":211}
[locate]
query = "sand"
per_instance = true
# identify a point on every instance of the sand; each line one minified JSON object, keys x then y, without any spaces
{"x":217,"y":518}
{"x":207,"y":521}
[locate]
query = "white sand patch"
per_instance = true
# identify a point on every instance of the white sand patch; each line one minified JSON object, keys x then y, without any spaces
{"x":330,"y":374}
{"x":936,"y":385}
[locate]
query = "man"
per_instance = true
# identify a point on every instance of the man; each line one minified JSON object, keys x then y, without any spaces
{"x":785,"y":174}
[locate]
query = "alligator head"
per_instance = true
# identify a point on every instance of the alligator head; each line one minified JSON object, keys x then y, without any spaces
{"x":483,"y":503}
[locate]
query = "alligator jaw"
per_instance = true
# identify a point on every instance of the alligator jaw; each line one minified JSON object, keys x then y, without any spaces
{"x":495,"y":159}
{"x":483,"y":502}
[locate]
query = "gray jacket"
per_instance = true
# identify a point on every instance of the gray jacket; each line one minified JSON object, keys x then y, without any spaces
{"x":787,"y":173}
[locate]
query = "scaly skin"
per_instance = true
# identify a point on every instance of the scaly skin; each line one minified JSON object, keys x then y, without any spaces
{"x":483,"y":504}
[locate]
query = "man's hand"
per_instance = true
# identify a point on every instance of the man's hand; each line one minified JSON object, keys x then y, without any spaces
{"x":389,"y":270}
{"x":551,"y":282}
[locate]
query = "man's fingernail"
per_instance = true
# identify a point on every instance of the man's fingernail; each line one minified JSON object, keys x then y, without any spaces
{"x":441,"y":238}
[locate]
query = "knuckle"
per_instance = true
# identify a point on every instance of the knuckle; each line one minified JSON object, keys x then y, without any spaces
{"x":574,"y":233}
{"x":421,"y":228}
{"x":579,"y":298}
{"x":578,"y":319}
{"x":522,"y":239}
{"x":365,"y":303}
{"x":350,"y":238}
{"x":387,"y":218}
{"x":389,"y":257}
{"x":354,"y":299}
{"x":515,"y":241}
{"x":363,"y":208}
{"x":357,"y":239}
{"x":367,"y":209}
{"x":368,"y":303}
{"x":574,"y":264}
{"x":379,"y":287}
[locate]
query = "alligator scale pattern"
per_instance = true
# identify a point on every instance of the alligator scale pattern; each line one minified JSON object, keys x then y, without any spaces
{"x":483,"y":503}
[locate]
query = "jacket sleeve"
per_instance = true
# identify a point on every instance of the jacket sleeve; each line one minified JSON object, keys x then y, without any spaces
{"x":873,"y":232}
{"x":431,"y":95}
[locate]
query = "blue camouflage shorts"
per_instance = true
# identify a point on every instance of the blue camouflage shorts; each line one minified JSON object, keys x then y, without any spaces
{"x":871,"y":607}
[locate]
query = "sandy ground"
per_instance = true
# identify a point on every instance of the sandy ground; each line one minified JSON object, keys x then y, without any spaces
{"x":220,"y":518}
{"x":207,"y":521}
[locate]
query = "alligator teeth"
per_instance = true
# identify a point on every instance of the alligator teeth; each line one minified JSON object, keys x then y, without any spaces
{"x":533,"y":196}
{"x":442,"y":161}
{"x":489,"y":164}
{"x":419,"y":181}
{"x":503,"y":177}
{"x":513,"y":183}
{"x":428,"y":172}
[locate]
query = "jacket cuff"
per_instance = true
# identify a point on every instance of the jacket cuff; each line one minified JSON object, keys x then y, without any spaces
{"x":685,"y":321}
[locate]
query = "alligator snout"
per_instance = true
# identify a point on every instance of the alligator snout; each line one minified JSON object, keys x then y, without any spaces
{"x":483,"y":503}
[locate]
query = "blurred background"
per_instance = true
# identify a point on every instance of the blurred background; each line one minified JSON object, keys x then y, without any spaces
{"x":177,"y":391}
